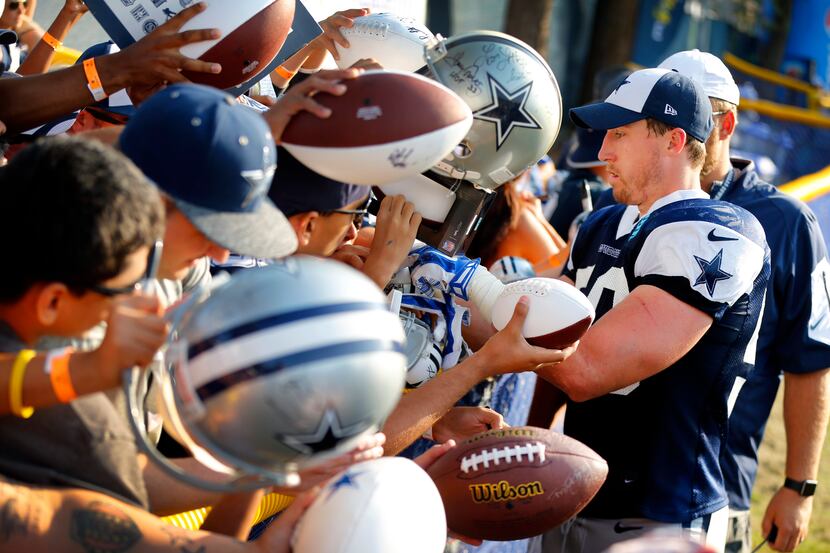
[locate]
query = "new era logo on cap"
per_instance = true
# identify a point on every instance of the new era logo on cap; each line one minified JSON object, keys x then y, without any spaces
{"x":657,"y":93}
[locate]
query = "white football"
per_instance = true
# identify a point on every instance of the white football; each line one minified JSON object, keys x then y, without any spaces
{"x":395,"y":42}
{"x":388,"y":504}
{"x":559,"y":314}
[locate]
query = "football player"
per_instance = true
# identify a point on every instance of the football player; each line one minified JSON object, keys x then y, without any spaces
{"x":795,"y":332}
{"x":678,"y":283}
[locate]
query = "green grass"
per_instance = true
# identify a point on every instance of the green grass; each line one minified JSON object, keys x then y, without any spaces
{"x":771,"y":475}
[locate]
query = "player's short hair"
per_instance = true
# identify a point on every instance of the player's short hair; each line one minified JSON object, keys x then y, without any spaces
{"x":719,"y":106}
{"x":695,"y":149}
{"x":72,"y":211}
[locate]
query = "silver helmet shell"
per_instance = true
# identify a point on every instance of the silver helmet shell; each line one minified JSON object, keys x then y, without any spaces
{"x":515,"y":99}
{"x":285,"y":365}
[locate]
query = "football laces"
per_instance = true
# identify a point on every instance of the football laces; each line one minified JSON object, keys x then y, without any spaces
{"x":507,"y":455}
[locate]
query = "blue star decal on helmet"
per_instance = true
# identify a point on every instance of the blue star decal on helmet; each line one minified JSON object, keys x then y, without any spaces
{"x":507,"y":110}
{"x":327,"y":436}
{"x":346,"y":480}
{"x":710,"y":272}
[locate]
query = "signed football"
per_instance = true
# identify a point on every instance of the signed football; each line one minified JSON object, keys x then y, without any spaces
{"x":253,"y":31}
{"x":393,"y":41}
{"x":516,"y":482}
{"x":388,"y":126}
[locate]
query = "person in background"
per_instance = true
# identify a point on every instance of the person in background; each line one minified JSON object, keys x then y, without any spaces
{"x":795,"y":330}
{"x":585,"y":169}
{"x":18,"y":16}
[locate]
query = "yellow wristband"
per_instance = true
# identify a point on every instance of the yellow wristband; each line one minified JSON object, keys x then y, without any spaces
{"x":51,"y":41}
{"x":16,"y":384}
{"x":285,"y":73}
{"x":93,"y":81}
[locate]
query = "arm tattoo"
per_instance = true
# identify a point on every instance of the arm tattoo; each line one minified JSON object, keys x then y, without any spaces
{"x":103,"y":528}
{"x":181,"y":541}
{"x":19,"y":514}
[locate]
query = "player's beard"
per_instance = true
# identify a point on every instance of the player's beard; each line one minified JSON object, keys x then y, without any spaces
{"x":633,"y":189}
{"x":712,"y":155}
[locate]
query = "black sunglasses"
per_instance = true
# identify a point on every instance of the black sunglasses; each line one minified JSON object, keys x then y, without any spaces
{"x":153,"y":259}
{"x":15,"y":5}
{"x":359,"y":213}
{"x":106,"y":116}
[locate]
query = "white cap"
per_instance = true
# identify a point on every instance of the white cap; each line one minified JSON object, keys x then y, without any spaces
{"x":708,"y":70}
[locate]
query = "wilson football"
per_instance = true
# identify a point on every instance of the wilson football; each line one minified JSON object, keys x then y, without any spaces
{"x":388,"y":126}
{"x":516,"y":482}
{"x":393,"y":41}
{"x":559,"y":314}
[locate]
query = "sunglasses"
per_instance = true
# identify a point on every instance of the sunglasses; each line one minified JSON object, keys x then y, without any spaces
{"x":106,"y":116}
{"x":17,"y":5}
{"x":358,"y":214}
{"x":153,"y":259}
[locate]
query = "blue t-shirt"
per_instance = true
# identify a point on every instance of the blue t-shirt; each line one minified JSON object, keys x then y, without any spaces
{"x":795,"y":332}
{"x":662,"y":436}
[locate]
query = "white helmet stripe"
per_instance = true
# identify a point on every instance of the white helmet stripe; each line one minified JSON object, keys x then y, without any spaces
{"x":286,"y":339}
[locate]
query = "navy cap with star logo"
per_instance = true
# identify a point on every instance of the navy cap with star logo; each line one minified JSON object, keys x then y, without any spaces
{"x":215,"y":159}
{"x":661,"y":94}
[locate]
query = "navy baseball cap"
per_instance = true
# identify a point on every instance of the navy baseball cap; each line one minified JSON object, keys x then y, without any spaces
{"x":661,"y":94}
{"x":298,"y":189}
{"x":585,"y":151}
{"x":215,"y":159}
{"x":118,"y":102}
{"x":7,"y":36}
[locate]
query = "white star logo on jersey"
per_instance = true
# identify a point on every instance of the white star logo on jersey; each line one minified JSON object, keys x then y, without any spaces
{"x":507,"y":110}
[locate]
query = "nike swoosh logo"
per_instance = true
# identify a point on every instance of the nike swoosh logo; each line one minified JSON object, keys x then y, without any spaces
{"x":715,"y":238}
{"x":619,"y":528}
{"x":818,"y":322}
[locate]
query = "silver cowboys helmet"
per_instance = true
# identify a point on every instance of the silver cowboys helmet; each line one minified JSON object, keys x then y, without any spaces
{"x":280,"y":368}
{"x":515,"y":99}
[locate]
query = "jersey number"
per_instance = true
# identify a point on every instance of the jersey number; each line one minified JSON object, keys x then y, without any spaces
{"x":608,"y":290}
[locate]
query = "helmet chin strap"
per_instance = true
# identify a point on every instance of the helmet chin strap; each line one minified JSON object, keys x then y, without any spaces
{"x":455,"y":173}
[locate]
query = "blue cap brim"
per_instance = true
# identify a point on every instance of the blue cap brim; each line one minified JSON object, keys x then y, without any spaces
{"x":603,"y":116}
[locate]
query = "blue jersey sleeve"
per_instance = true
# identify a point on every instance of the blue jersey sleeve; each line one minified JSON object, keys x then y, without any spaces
{"x":803,"y":340}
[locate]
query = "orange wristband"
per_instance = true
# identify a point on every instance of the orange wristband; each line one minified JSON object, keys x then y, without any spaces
{"x":57,"y":367}
{"x":51,"y":41}
{"x":93,"y":81}
{"x":285,"y":73}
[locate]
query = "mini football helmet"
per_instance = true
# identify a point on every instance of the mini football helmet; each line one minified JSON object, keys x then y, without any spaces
{"x":511,"y":268}
{"x":279,"y":368}
{"x":515,"y":99}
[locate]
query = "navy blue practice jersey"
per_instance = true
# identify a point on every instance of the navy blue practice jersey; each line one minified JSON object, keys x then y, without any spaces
{"x":662,"y":436}
{"x":795,"y":332}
